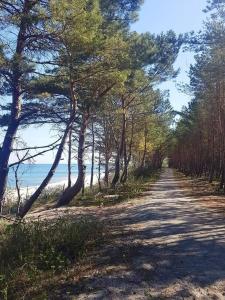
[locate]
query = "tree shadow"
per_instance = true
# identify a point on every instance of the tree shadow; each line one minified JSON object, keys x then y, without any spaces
{"x":157,"y":245}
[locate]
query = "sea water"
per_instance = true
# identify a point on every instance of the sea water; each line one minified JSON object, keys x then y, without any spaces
{"x":31,"y":175}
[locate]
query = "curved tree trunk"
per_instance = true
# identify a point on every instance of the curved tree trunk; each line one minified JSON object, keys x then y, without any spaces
{"x":28,"y":204}
{"x":16,"y":101}
{"x":5,"y":154}
{"x":71,"y":192}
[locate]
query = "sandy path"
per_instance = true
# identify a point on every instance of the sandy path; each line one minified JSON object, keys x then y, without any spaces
{"x":169,"y":246}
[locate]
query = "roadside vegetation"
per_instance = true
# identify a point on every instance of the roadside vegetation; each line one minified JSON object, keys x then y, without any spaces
{"x":138,"y":182}
{"x":36,"y":255}
{"x":33,"y":255}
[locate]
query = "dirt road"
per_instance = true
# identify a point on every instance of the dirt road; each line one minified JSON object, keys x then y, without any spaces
{"x":169,"y":246}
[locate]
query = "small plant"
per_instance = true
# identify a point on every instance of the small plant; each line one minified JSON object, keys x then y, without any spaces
{"x":28,"y":250}
{"x":137,"y":182}
{"x":48,"y":197}
{"x":145,"y":173}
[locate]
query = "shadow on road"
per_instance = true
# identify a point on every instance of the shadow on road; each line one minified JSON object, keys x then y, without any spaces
{"x":166,"y":246}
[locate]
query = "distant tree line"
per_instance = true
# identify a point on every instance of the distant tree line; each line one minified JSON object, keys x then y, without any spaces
{"x":199,"y":141}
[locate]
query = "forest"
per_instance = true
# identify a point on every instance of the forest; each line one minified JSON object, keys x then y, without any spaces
{"x":90,"y":78}
{"x":78,"y":70}
{"x":201,"y":126}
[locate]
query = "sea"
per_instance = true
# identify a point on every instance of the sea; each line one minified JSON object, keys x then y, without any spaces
{"x":31,"y":175}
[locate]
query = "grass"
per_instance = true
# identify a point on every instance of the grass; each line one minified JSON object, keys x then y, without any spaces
{"x":46,"y":201}
{"x":48,"y":197}
{"x":35,"y":257}
{"x":35,"y":252}
{"x":137,"y":183}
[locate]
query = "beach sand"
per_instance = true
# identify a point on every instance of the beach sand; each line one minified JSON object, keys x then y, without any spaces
{"x":11,"y":193}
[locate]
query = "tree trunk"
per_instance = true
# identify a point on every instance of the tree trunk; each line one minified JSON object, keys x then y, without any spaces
{"x":106,"y":177}
{"x":73,"y":109}
{"x":211,"y":174}
{"x":222,"y":180}
{"x":17,"y":188}
{"x":117,"y":171}
{"x":125,"y":167}
{"x":69,"y":159}
{"x":28,"y":204}
{"x":92,"y":155}
{"x":121,"y":147}
{"x":5,"y":154}
{"x":16,"y":101}
{"x":145,"y":149}
{"x":70,"y":193}
{"x":128,"y":159}
{"x":99,"y":170}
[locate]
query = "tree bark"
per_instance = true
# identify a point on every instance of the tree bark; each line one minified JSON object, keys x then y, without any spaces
{"x":121,"y":147}
{"x":10,"y":135}
{"x":106,"y":176}
{"x":28,"y":204}
{"x":73,"y":109}
{"x":125,"y":165}
{"x":92,"y":155}
{"x":17,"y":188}
{"x":127,"y":159}
{"x":99,"y":170}
{"x":222,"y":180}
{"x":145,"y":149}
{"x":69,"y":159}
{"x":71,"y":192}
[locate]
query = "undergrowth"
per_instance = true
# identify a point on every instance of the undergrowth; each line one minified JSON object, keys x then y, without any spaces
{"x":32,"y":251}
{"x":137,"y":183}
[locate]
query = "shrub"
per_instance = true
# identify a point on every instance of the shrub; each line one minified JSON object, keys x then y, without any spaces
{"x":145,"y":172}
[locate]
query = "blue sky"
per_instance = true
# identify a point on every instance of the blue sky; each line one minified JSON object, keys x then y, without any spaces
{"x":155,"y":16}
{"x":181,"y":16}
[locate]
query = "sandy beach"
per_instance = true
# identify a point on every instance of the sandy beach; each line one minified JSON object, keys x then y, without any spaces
{"x":11,"y":194}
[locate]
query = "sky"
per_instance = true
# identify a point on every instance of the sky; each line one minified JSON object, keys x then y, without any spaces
{"x":182,"y":16}
{"x":155,"y":16}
